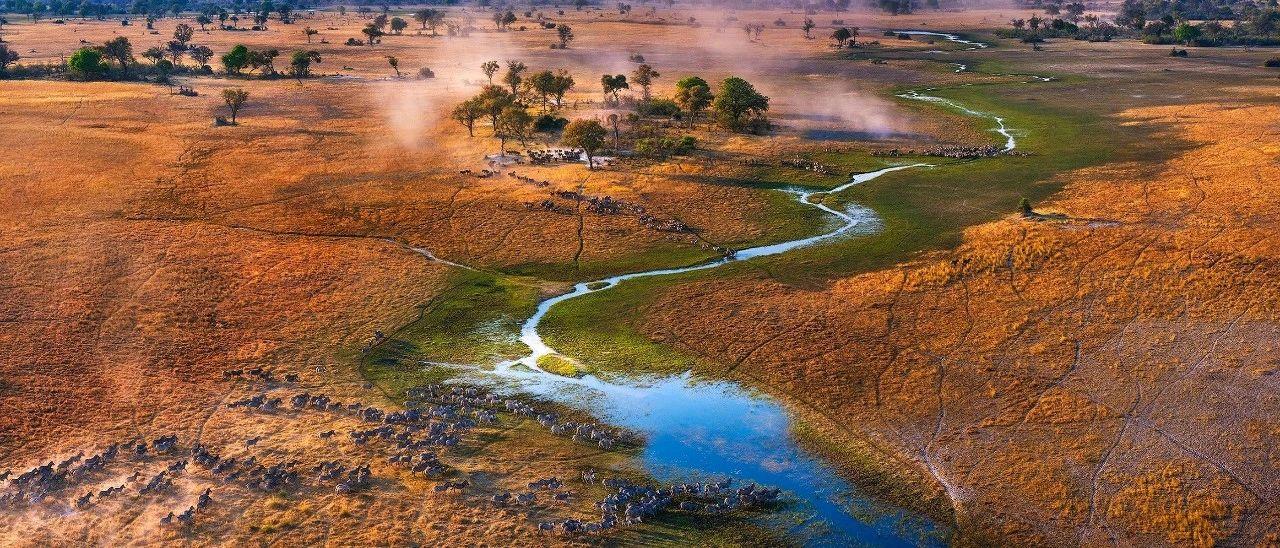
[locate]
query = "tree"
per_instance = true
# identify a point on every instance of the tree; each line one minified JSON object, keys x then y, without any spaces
{"x":587,"y":135}
{"x":429,"y":17}
{"x":542,"y":83}
{"x":398,"y":25}
{"x":490,"y":68}
{"x":613,"y":85}
{"x":119,"y":50}
{"x":693,"y":98}
{"x":504,"y":20}
{"x":513,"y":77}
{"x":235,"y":60}
{"x":1186,"y":33}
{"x":300,"y":63}
{"x":1132,"y":15}
{"x":467,"y":112}
{"x":493,"y":99}
{"x":808,"y":27}
{"x":201,"y":55}
{"x":561,"y":83}
{"x":566,"y":35}
{"x":263,"y":61}
{"x":7,"y":56}
{"x":86,"y":63}
{"x":395,"y":64}
{"x":176,"y":50}
{"x":372,"y":31}
{"x":154,"y":54}
{"x":840,"y":36}
{"x":737,"y":98}
{"x":1025,"y":207}
{"x":234,"y":98}
{"x":310,"y":32}
{"x":513,"y":123}
{"x":183,"y":33}
{"x":644,"y":77}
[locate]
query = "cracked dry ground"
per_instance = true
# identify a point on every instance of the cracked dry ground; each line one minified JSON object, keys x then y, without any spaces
{"x":1108,"y":379}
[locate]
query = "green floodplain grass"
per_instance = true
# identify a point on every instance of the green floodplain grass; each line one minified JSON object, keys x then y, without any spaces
{"x":477,"y":321}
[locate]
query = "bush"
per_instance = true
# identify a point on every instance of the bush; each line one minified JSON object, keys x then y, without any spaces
{"x":87,"y":63}
{"x":658,"y":107}
{"x":354,"y":42}
{"x":662,"y":147}
{"x":549,"y":124}
{"x":425,"y":73}
{"x":1273,"y":62}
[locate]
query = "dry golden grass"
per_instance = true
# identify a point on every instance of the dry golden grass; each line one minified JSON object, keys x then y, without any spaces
{"x":1044,"y":374}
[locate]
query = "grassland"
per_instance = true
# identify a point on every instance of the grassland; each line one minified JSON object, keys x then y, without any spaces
{"x":1100,"y":374}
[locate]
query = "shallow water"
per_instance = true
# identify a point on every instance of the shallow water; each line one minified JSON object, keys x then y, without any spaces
{"x":703,"y":429}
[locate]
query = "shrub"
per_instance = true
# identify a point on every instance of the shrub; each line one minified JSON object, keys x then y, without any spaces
{"x":662,"y":147}
{"x":658,"y":107}
{"x":86,"y":63}
{"x":354,"y":42}
{"x":548,"y":123}
{"x":425,"y":73}
{"x":1273,"y":62}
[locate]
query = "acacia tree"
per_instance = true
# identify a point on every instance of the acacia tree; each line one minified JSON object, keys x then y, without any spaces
{"x":233,"y":61}
{"x":644,"y":77}
{"x":493,"y":99}
{"x":119,"y":50}
{"x":234,"y":98}
{"x":808,"y":27}
{"x":587,"y":135}
{"x":183,"y":33}
{"x":840,"y":36}
{"x":176,"y":50}
{"x":490,"y":68}
{"x":429,"y":17}
{"x":398,"y":25}
{"x":565,"y":34}
{"x":467,"y":112}
{"x":737,"y":98}
{"x":694,"y":96}
{"x":561,"y":83}
{"x":7,"y":56}
{"x":154,"y":54}
{"x":201,"y":55}
{"x":395,"y":64}
{"x":372,"y":31}
{"x":613,"y":85}
{"x":513,"y":123}
{"x":310,"y":32}
{"x":300,"y":63}
{"x":513,"y":77}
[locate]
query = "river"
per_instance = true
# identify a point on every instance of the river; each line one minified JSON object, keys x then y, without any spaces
{"x":697,"y":428}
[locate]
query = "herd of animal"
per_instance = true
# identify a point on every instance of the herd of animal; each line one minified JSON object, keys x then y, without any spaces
{"x":953,"y":151}
{"x":435,"y":419}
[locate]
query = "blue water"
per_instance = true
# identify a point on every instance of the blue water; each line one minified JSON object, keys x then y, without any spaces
{"x":698,"y":430}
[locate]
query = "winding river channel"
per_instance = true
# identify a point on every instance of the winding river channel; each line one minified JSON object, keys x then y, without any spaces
{"x":697,"y":428}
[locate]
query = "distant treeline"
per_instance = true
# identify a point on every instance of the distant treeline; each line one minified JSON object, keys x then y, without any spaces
{"x":101,"y":9}
{"x":1189,"y":22}
{"x":1238,"y":22}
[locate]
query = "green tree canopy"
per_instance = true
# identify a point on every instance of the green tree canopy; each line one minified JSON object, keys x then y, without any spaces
{"x":587,"y":135}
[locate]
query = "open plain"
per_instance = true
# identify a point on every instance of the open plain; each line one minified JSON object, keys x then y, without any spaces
{"x":959,"y":289}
